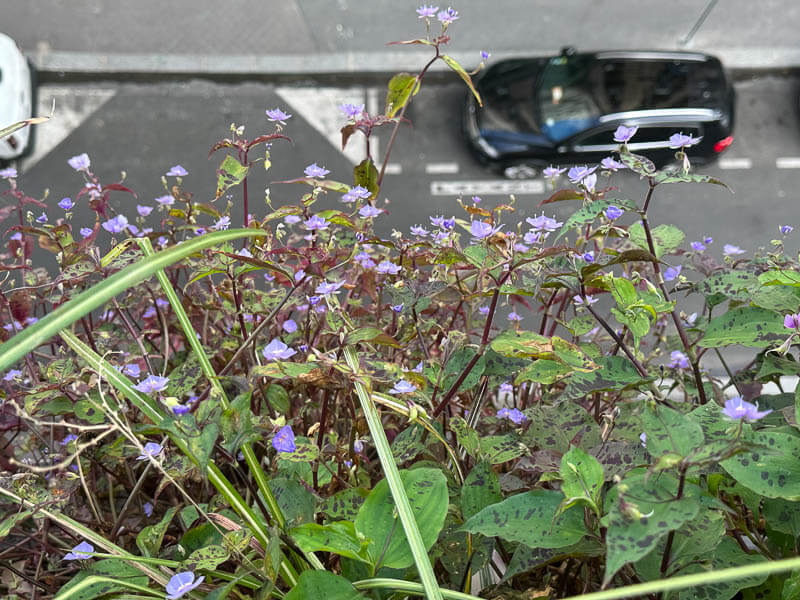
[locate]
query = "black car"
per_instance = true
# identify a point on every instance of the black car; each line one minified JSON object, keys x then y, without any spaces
{"x":565,"y":109}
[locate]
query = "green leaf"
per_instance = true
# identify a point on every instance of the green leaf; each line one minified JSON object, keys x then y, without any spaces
{"x":278,"y":398}
{"x":728,"y":554}
{"x":543,"y":371}
{"x":782,"y":515}
{"x":780,"y":277}
{"x":466,"y":436}
{"x":283,"y":370}
{"x":377,"y":518}
{"x":746,"y":325}
{"x":685,"y":177}
{"x":230,"y":173}
{"x":340,"y":538}
{"x":666,"y":238}
{"x":314,"y":585}
{"x":408,"y":443}
{"x":373,"y":335}
{"x":641,"y":165}
{"x":453,"y":64}
{"x":581,"y":477}
{"x":366,"y":175}
{"x":209,"y":558}
{"x":88,"y":411}
{"x":529,"y":518}
{"x":184,"y":378}
{"x":557,"y":427}
{"x":476,"y":255}
{"x":296,"y":502}
{"x":344,"y":505}
{"x":150,"y":537}
{"x":201,"y":445}
{"x":641,"y":511}
{"x":615,"y":373}
{"x":305,"y":452}
{"x":401,"y":86}
{"x":481,"y":489}
{"x":520,"y":344}
{"x":589,"y":212}
{"x":772,"y":469}
{"x":623,"y":291}
{"x":670,"y":432}
{"x":7,"y":524}
{"x":527,"y":559}
{"x":736,"y":285}
{"x":497,"y":449}
{"x":101,"y":578}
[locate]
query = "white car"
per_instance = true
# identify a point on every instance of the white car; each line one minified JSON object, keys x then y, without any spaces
{"x":16,"y":98}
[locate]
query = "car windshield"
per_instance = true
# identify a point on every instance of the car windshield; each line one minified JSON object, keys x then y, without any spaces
{"x":509,"y":98}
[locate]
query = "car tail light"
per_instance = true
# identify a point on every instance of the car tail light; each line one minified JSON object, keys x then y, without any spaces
{"x":723,"y":143}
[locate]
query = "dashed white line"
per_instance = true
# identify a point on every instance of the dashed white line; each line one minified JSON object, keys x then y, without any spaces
{"x":496,"y":187}
{"x":735,"y":163}
{"x":788,"y":162}
{"x":392,"y":168}
{"x":445,"y":168}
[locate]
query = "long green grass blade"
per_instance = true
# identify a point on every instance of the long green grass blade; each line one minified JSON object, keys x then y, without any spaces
{"x":76,"y":590}
{"x":426,"y":575}
{"x":407,"y":587}
{"x":88,"y":300}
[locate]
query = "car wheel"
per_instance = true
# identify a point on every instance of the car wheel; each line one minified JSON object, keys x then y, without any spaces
{"x":521,"y":171}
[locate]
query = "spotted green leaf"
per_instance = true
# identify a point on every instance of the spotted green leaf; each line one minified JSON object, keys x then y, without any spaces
{"x":772,"y":468}
{"x":497,"y":449}
{"x":615,"y":373}
{"x":746,"y":325}
{"x":666,"y":238}
{"x":313,"y":585}
{"x":670,"y":432}
{"x":100,"y":578}
{"x":366,"y":175}
{"x":294,"y":500}
{"x":208,"y":557}
{"x":150,"y":537}
{"x":481,"y":489}
{"x":230,"y":173}
{"x":728,"y":554}
{"x":543,"y":371}
{"x":589,"y":212}
{"x":344,"y":505}
{"x":339,"y":537}
{"x":401,"y":87}
{"x":581,"y":478}
{"x":557,"y":427}
{"x":466,"y":436}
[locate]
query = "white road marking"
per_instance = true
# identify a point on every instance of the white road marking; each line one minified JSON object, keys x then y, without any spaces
{"x":788,"y":162}
{"x":735,"y":163}
{"x":446,"y":168}
{"x":319,"y":107}
{"x":73,"y":107}
{"x":496,"y":187}
{"x":392,"y":169}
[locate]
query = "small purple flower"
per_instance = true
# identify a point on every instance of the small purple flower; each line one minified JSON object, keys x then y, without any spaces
{"x":358,"y":446}
{"x":506,"y":388}
{"x":277,"y":350}
{"x":679,"y":140}
{"x":481,"y":230}
{"x":352,"y":111}
{"x":86,"y":232}
{"x":182,"y":582}
{"x":672,"y":272}
{"x":624,"y":134}
{"x":707,"y":240}
{"x":276,"y":115}
{"x":355,"y":193}
{"x":589,"y":299}
{"x":678,"y":360}
{"x":8,"y":173}
{"x":292,"y":219}
{"x":180,"y":409}
{"x":611,"y":164}
{"x":484,"y":55}
{"x":369,"y":212}
{"x":70,"y":437}
{"x":299,"y":275}
{"x":730,"y":249}
{"x":576,"y":174}
{"x":365,"y":260}
{"x":427,"y":12}
{"x":116,"y":225}
{"x":388,"y":268}
{"x":513,"y":414}
{"x":283,"y":440}
{"x":316,"y":223}
{"x":148,"y":509}
{"x":449,"y":223}
{"x":221,"y":223}
{"x":42,"y":218}
{"x":588,"y":257}
{"x":789,"y":321}
{"x":289,"y":326}
{"x":150,"y":450}
{"x":403,"y":387}
{"x":542,"y":223}
{"x":12,"y":374}
{"x":532,"y":237}
{"x":446,"y":17}
{"x":144,"y":210}
{"x":80,"y":552}
{"x":419,"y":230}
{"x":738,"y":409}
{"x":177,"y":171}
{"x":313,"y":170}
{"x":786,"y":229}
{"x":552,"y":172}
{"x":80,"y":162}
{"x":418,"y":368}
{"x":132,"y":370}
{"x":66,"y":203}
{"x":166,"y":200}
{"x":325,"y":288}
{"x":513,"y":316}
{"x":643,"y":439}
{"x":698,"y":246}
{"x":613,"y":212}
{"x":398,"y":308}
{"x":437,"y":221}
{"x":484,"y":310}
{"x":153,"y":383}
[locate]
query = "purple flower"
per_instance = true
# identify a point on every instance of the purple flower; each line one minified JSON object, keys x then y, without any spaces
{"x":387,"y":267}
{"x":277,"y":115}
{"x":576,"y":174}
{"x":786,"y":229}
{"x":589,"y":182}
{"x":165,"y":200}
{"x":730,"y":249}
{"x":552,"y":172}
{"x":8,"y":173}
{"x":512,"y":316}
{"x":221,"y":223}
{"x":419,"y":230}
{"x":316,"y":223}
{"x":403,"y":387}
{"x":144,"y":210}
{"x":437,"y":221}
{"x":672,"y":272}
{"x":449,"y":223}
{"x":313,"y":170}
{"x":352,"y":111}
{"x":484,"y":310}
{"x":80,"y":162}
{"x":153,"y":383}
{"x":707,"y":240}
{"x":148,"y":509}
{"x":643,"y":439}
{"x":398,"y":308}
{"x":481,"y":230}
{"x":506,"y":388}
{"x":355,"y":193}
{"x":369,"y":212}
{"x":325,"y":288}
{"x":365,"y":260}
{"x":588,"y":256}
{"x":613,"y":212}
{"x":283,"y":440}
{"x":116,"y":225}
{"x":484,"y":55}
{"x":66,"y":203}
{"x":86,"y":232}
{"x":80,"y":552}
{"x":789,"y":321}
{"x":277,"y":350}
{"x":177,"y":171}
{"x":427,"y":12}
{"x":418,"y":368}
{"x":611,"y":164}
{"x":180,"y":409}
{"x":180,"y":583}
{"x":513,"y":414}
{"x":476,"y":199}
{"x":299,"y":275}
{"x":292,"y":219}
{"x":679,"y":140}
{"x":531,"y":237}
{"x":42,"y":218}
{"x":589,"y":299}
{"x":624,"y":134}
{"x":698,"y":246}
{"x":289,"y":326}
{"x":150,"y":450}
{"x":542,"y":223}
{"x":71,"y":437}
{"x":446,"y":17}
{"x":12,"y":374}
{"x":132,"y":370}
{"x":738,"y":409}
{"x":678,"y":360}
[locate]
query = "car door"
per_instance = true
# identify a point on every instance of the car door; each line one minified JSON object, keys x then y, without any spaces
{"x":651,"y":141}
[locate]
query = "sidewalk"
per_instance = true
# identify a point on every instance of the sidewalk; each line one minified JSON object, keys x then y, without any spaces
{"x":312,"y":38}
